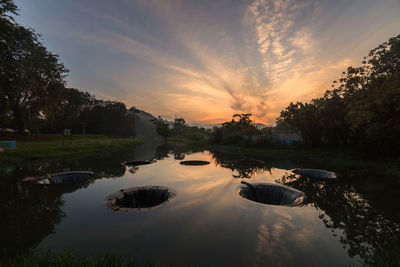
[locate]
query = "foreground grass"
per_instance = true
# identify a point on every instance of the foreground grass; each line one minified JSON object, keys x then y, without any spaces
{"x":340,"y":160}
{"x":383,"y":257}
{"x":386,"y":256}
{"x":70,"y":259}
{"x":42,"y":147}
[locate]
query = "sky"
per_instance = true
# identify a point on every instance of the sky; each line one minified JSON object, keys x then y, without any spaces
{"x":206,"y":60}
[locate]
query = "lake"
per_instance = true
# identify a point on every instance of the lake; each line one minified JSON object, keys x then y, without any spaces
{"x":207,"y":222}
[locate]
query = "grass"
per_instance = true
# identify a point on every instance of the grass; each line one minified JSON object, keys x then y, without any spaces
{"x":70,"y":259}
{"x":386,"y":256}
{"x":43,"y":147}
{"x":341,"y":160}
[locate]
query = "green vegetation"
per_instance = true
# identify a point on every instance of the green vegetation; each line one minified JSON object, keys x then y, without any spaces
{"x":70,"y":259}
{"x":33,"y":95}
{"x":362,"y":110}
{"x":387,"y":255}
{"x":40,"y":147}
{"x":179,"y":129}
{"x":239,"y":131}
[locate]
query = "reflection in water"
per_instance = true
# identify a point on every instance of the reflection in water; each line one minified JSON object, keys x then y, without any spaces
{"x":178,"y":150}
{"x":357,"y":208}
{"x":313,"y":173}
{"x":29,"y":212}
{"x":207,"y":216}
{"x":133,"y":169}
{"x":245,"y":168}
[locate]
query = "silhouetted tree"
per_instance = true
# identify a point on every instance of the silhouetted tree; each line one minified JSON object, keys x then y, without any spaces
{"x":7,"y":6}
{"x":30,"y":76}
{"x":71,"y":104}
{"x":239,"y":130}
{"x":362,"y":109}
{"x":108,"y":117}
{"x":303,"y":119}
{"x":162,"y":127}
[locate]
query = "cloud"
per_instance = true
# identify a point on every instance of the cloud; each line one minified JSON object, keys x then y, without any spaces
{"x":279,"y":35}
{"x":208,"y":62}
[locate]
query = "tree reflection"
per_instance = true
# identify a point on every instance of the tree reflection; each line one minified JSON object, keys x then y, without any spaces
{"x":29,"y":212}
{"x":245,"y":168}
{"x":178,"y":150}
{"x":366,"y":218}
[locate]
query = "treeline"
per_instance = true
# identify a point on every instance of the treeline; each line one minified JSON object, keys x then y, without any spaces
{"x":33,"y":95}
{"x":239,"y":131}
{"x":179,"y":129}
{"x":362,"y":109}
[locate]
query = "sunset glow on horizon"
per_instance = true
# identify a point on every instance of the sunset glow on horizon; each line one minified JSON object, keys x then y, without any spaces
{"x":206,"y":60}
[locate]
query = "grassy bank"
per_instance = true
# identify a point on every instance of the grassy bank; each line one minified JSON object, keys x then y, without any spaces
{"x":340,"y":160}
{"x":43,"y":147}
{"x":382,"y":258}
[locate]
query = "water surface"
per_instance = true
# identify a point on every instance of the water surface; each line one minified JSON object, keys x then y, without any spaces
{"x":207,"y":222}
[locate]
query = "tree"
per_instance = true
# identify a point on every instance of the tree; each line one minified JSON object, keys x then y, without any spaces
{"x":162,"y":127}
{"x":7,"y":6}
{"x":363,"y":108}
{"x":331,"y":115}
{"x":179,"y":122}
{"x":244,"y":119}
{"x":6,"y":21}
{"x":240,"y":130}
{"x":302,"y":119}
{"x":30,"y":76}
{"x":374,"y":113}
{"x":73,"y":103}
{"x":108,"y":117}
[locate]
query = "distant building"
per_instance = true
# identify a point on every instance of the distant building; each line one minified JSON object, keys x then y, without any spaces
{"x":286,"y":138}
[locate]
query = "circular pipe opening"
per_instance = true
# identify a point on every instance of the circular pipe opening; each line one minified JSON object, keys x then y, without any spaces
{"x":137,"y":198}
{"x":137,"y":162}
{"x":272,"y":194}
{"x":61,"y":178}
{"x":194,"y":162}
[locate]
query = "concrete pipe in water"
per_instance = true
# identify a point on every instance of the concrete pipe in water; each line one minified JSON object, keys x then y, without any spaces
{"x":137,"y":198}
{"x":137,"y":162}
{"x":194,"y":162}
{"x":61,"y":178}
{"x":272,"y":194}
